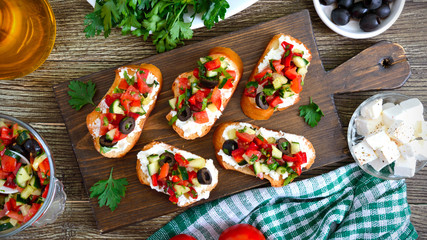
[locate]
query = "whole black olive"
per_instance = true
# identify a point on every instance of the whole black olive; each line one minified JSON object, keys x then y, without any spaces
{"x":340,"y":16}
{"x":32,"y":146}
{"x":383,"y":11}
{"x":369,"y":22}
{"x":209,"y":83}
{"x":167,"y":157}
{"x":358,"y":10}
{"x":126,"y":125}
{"x":345,"y":3}
{"x":185,"y":114}
{"x":204,"y":176}
{"x":327,"y":2}
{"x":372,"y":4}
{"x":284,"y":146}
{"x":19,"y":149}
{"x":229,"y":146}
{"x":103,"y":141}
{"x":260,"y":100}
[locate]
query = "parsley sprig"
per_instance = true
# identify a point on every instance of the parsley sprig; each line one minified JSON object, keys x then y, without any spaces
{"x":109,"y":192}
{"x":81,"y":93}
{"x":311,"y":113}
{"x":163,"y":18}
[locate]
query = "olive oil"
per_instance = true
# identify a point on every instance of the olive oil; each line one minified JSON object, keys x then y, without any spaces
{"x":27,"y":35}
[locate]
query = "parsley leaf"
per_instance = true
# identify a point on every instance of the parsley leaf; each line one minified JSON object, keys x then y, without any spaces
{"x":81,"y":93}
{"x":311,"y":113}
{"x":129,"y":80}
{"x":109,"y":192}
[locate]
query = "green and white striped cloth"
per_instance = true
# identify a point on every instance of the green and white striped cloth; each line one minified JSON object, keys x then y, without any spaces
{"x":343,"y":204}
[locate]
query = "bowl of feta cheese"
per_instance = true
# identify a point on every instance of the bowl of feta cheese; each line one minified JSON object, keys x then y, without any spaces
{"x":387,"y":136}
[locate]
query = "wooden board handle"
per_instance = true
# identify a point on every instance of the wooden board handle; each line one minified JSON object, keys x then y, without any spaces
{"x":382,"y":66}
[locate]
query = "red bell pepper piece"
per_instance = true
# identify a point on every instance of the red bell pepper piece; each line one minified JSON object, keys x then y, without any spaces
{"x":212,"y":65}
{"x":291,"y":73}
{"x":276,"y":101}
{"x":287,"y":46}
{"x":287,"y":60}
{"x":191,"y":175}
{"x":44,"y":167}
{"x":181,"y":160}
{"x":297,"y":54}
{"x":302,"y":157}
{"x":245,"y":137}
{"x":201,"y":117}
{"x":278,"y":66}
{"x":45,"y":191}
{"x":250,"y":92}
{"x":175,"y":179}
{"x":134,"y":115}
{"x":164,"y":170}
{"x":18,"y":165}
{"x":154,"y":179}
{"x":258,"y":77}
{"x":135,"y":103}
{"x":172,"y":196}
{"x":289,"y":158}
{"x":193,"y":193}
{"x":296,"y":84}
{"x":8,"y":163}
{"x":196,"y":72}
{"x":297,"y":169}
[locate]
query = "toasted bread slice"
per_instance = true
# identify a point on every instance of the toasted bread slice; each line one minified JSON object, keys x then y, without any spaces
{"x":236,"y":64}
{"x":154,"y":147}
{"x":247,"y":103}
{"x":93,"y":120}
{"x":222,"y":134}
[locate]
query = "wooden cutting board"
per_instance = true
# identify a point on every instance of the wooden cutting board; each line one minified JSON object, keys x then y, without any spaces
{"x":382,"y":66}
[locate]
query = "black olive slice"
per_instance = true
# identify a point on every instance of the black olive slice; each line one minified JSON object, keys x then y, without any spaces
{"x":209,"y":83}
{"x":284,"y":146}
{"x":204,"y":176}
{"x":260,"y":100}
{"x":32,"y":146}
{"x":167,"y":157}
{"x":185,"y":114}
{"x":229,"y":146}
{"x":126,"y":125}
{"x":103,"y":141}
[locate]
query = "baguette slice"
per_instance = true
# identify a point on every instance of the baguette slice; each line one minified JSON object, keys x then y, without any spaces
{"x":247,"y":103}
{"x":93,"y":119}
{"x":236,"y":64}
{"x":222,"y":134}
{"x":158,"y":148}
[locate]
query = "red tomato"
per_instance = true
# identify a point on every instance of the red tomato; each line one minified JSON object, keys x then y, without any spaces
{"x":216,"y":98}
{"x":18,"y":165}
{"x":296,"y":84}
{"x":142,"y":85}
{"x":33,"y":210}
{"x":132,"y":94}
{"x":3,"y":174}
{"x":228,"y":84}
{"x":8,"y":163}
{"x":175,"y":179}
{"x":196,"y":73}
{"x":183,"y":237}
{"x":240,"y":232}
{"x":259,"y":142}
{"x":15,"y":215}
{"x":238,"y":154}
{"x":126,"y":104}
{"x":276,"y":101}
{"x":278,"y":66}
{"x":183,"y":83}
{"x":123,"y":84}
{"x":191,"y":175}
{"x":164,"y":171}
{"x":44,"y":167}
{"x":252,"y":152}
{"x":109,"y":100}
{"x":245,"y":137}
{"x":214,"y":64}
{"x":6,"y":133}
{"x":260,"y":75}
{"x":181,"y":160}
{"x":201,"y":117}
{"x":46,"y":190}
{"x":192,"y":100}
{"x":291,"y":73}
{"x":232,"y":73}
{"x":287,"y":60}
{"x":154,"y":179}
{"x":136,"y":103}
{"x":15,"y":130}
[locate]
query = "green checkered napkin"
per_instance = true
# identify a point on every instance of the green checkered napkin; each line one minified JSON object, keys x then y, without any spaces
{"x":343,"y":204}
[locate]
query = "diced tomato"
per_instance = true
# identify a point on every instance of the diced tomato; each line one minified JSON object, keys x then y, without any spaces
{"x":33,"y":210}
{"x":296,"y":84}
{"x":121,"y":136}
{"x":117,"y":119}
{"x":132,"y":94}
{"x":259,"y":142}
{"x":183,"y":83}
{"x":196,"y":107}
{"x":258,"y":77}
{"x":228,"y":84}
{"x":297,"y":169}
{"x":242,"y":144}
{"x":111,"y":126}
{"x":15,"y":215}
{"x":245,"y":137}
{"x":9,"y":181}
{"x":126,"y":104}
{"x":11,"y":205}
{"x":142,"y":85}
{"x":200,"y":95}
{"x":191,"y":175}
{"x":253,"y":146}
{"x":172,"y":196}
{"x":196,"y":72}
{"x":134,"y":115}
{"x":278,"y":66}
{"x":136,"y":103}
{"x":103,"y":130}
{"x":109,"y":100}
{"x":8,"y":163}
{"x":253,"y":152}
{"x":181,"y":160}
{"x":276,"y":101}
{"x":123,"y":84}
{"x":19,"y":189}
{"x":192,"y":193}
{"x":184,"y":183}
{"x":201,"y":117}
{"x":238,"y":154}
{"x":45,"y":191}
{"x":18,"y":165}
{"x":44,"y":167}
{"x":154,"y":179}
{"x":3,"y":174}
{"x":117,"y":135}
{"x":41,"y":178}
{"x":250,"y":91}
{"x":205,"y":92}
{"x":15,"y":128}
{"x":212,"y":65}
{"x":216,"y":98}
{"x":291,"y":73}
{"x":232,"y":73}
{"x":289,"y":158}
{"x":175,"y":179}
{"x":142,"y":74}
{"x":6,"y":133}
{"x":164,"y":170}
{"x":192,"y":100}
{"x":287,"y":46}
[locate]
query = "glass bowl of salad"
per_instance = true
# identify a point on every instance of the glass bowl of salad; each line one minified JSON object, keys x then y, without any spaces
{"x":30,"y":195}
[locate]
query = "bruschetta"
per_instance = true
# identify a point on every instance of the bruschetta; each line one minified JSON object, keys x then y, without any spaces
{"x":277,"y":79}
{"x":185,"y":177}
{"x":201,"y":95}
{"x":117,"y":121}
{"x":274,"y":155}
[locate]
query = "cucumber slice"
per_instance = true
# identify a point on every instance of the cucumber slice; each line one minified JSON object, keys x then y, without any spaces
{"x":194,"y":89}
{"x":37,"y":192}
{"x":257,"y":168}
{"x":264,"y":168}
{"x":232,"y":134}
{"x":179,"y":190}
{"x":276,"y":152}
{"x":197,"y":163}
{"x":21,"y":201}
{"x":242,"y":163}
{"x":212,"y":107}
{"x":183,"y":172}
{"x":110,"y":134}
{"x":172,"y":103}
{"x":2,"y":182}
{"x":146,"y":101}
{"x":271,"y":140}
{"x":195,"y":182}
{"x":298,"y":51}
{"x":39,"y":159}
{"x":5,"y":226}
{"x":23,"y":137}
{"x":295,"y":147}
{"x":25,"y":209}
{"x":153,"y":168}
{"x":28,"y":190}
{"x":288,"y":94}
{"x":2,"y":124}
{"x":211,"y":73}
{"x":153,"y":158}
{"x":299,"y":61}
{"x":116,"y":107}
{"x":138,"y":110}
{"x":281,"y":170}
{"x":302,"y":71}
{"x":12,"y":154}
{"x":279,"y":80}
{"x":35,"y":182}
{"x":224,"y":64}
{"x":204,"y":60}
{"x":22,"y":177}
{"x":250,"y":131}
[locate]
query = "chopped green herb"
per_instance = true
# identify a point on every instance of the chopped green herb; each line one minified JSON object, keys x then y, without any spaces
{"x":252,"y":84}
{"x":269,"y":89}
{"x":109,"y":192}
{"x":129,"y":80}
{"x":311,"y":113}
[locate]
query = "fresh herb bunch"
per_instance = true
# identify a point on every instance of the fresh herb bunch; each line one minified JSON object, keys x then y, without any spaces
{"x":311,"y":113}
{"x":163,"y":18}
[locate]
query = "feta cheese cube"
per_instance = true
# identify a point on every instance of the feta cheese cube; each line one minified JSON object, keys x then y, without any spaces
{"x":401,"y":131}
{"x":405,"y":167}
{"x":373,"y":109}
{"x":420,"y":147}
{"x":378,"y":164}
{"x":365,"y":126}
{"x":388,"y":105}
{"x":421,"y":129}
{"x":390,"y":115}
{"x":408,"y":150}
{"x":378,"y":140}
{"x":389,"y":152}
{"x":414,"y":110}
{"x":364,"y":153}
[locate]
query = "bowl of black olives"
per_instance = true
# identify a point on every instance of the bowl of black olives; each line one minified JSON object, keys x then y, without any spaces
{"x":359,"y":19}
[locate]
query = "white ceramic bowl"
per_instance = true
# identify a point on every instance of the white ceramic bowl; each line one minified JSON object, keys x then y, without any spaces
{"x":353,"y":138}
{"x":352,"y":29}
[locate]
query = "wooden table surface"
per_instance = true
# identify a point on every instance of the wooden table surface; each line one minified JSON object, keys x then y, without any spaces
{"x":32,"y":100}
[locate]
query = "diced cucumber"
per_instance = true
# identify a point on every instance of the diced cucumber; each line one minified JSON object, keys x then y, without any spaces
{"x":6,"y":226}
{"x":232,"y":134}
{"x":25,"y":209}
{"x":172,"y":103}
{"x":110,"y":134}
{"x":212,"y":107}
{"x":224,"y":64}
{"x":116,"y":107}
{"x":250,"y":131}
{"x":264,"y":168}
{"x":295,"y":147}
{"x":28,"y":190}
{"x":195,"y":182}
{"x":276,"y":152}
{"x":288,"y":94}
{"x":153,"y":158}
{"x":257,"y":168}
{"x":183,"y":173}
{"x":138,"y":110}
{"x":197,"y":163}
{"x":153,"y":168}
{"x":271,"y":140}
{"x":243,"y":162}
{"x":211,"y":73}
{"x":22,"y":177}
{"x":297,"y":51}
{"x":23,"y":137}
{"x":179,"y":190}
{"x":20,"y":200}
{"x":281,"y":170}
{"x":278,"y":80}
{"x":204,"y":60}
{"x":302,"y":71}
{"x":37,"y":192}
{"x":2,"y":182}
{"x":146,"y":101}
{"x":299,"y":61}
{"x":194,"y":89}
{"x":39,"y":159}
{"x":13,"y":222}
{"x":12,"y":154}
{"x":35,"y":182}
{"x":289,"y":164}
